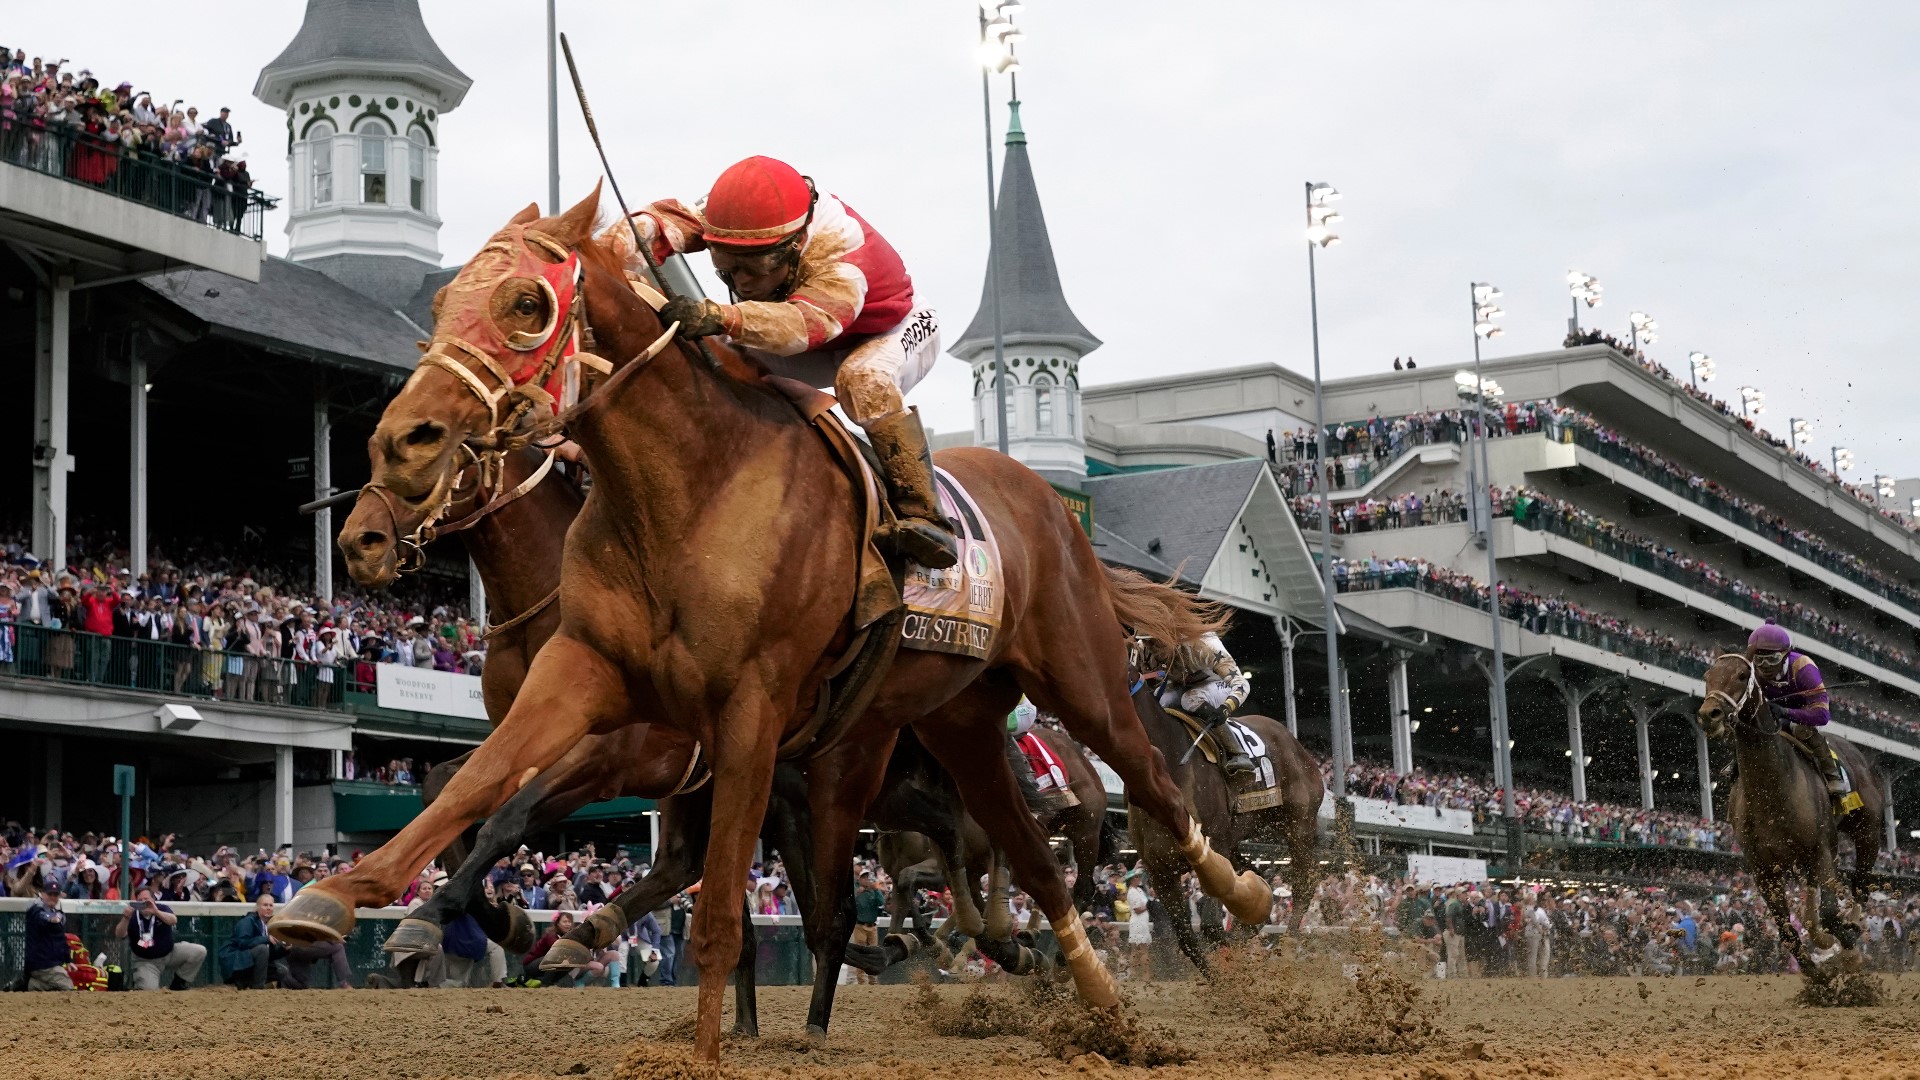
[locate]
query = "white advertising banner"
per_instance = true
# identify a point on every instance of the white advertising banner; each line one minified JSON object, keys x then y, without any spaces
{"x":1379,"y":812}
{"x":1444,"y":869}
{"x":412,"y":689}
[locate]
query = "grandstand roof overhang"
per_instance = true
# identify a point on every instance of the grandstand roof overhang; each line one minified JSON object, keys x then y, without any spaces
{"x":1225,"y":529}
{"x":295,"y":311}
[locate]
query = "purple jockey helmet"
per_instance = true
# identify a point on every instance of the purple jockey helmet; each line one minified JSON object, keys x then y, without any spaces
{"x":1768,"y":637}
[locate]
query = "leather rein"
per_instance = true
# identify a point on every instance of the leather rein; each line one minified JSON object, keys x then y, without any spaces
{"x":510,"y":403}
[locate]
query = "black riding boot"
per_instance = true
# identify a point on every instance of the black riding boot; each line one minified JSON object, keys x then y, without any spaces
{"x":1233,"y":756}
{"x":1816,"y":741}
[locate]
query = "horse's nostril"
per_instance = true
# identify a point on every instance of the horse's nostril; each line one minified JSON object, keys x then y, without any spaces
{"x":371,"y":539}
{"x":425,"y":432}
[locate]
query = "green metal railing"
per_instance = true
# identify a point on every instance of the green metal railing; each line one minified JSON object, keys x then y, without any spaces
{"x":124,"y":663}
{"x":147,"y":178}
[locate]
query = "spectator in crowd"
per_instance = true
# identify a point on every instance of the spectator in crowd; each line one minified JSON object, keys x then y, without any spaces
{"x":250,"y":956}
{"x":47,"y":952}
{"x":868,"y":902}
{"x":148,"y":924}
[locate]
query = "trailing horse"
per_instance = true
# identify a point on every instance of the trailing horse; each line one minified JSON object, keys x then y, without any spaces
{"x":708,"y":586}
{"x":1782,"y":814}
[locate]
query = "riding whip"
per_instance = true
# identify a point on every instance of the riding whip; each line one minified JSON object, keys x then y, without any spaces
{"x":645,"y":249}
{"x":335,"y":499}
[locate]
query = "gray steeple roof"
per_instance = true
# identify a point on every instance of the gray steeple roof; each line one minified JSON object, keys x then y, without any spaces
{"x":361,"y":36}
{"x":1033,"y":309}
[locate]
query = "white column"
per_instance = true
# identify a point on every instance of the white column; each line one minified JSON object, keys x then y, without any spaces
{"x":653,"y":836}
{"x":322,"y":487}
{"x":337,"y":770}
{"x":1399,"y":703}
{"x":1576,"y":742}
{"x":476,"y":594}
{"x":1642,"y":716}
{"x":1286,"y":672}
{"x":282,"y":795}
{"x":1706,"y":772}
{"x":137,"y":459}
{"x":51,"y":459}
{"x":54,"y":768}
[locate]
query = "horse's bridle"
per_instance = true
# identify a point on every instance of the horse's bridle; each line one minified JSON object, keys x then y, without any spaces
{"x":565,"y":342}
{"x":1739,"y":706}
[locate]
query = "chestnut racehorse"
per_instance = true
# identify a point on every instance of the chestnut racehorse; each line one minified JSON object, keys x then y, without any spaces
{"x":1782,"y":814}
{"x":707,"y":586}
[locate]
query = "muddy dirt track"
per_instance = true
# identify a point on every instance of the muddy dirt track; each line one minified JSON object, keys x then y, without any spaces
{"x":1622,"y":1027}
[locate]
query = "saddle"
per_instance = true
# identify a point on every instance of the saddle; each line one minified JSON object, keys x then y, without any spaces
{"x":1843,"y":804}
{"x":1259,"y":791}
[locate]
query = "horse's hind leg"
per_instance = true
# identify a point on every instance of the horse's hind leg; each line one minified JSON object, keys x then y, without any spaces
{"x":684,"y":821}
{"x":1302,"y":828}
{"x":570,"y":691}
{"x":994,"y":800}
{"x":837,"y":804}
{"x":1087,"y":688}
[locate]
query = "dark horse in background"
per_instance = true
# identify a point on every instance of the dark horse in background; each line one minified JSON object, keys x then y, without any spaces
{"x":1782,"y":814}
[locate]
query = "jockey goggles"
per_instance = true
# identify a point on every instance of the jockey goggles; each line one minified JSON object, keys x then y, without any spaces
{"x":1769,"y":659}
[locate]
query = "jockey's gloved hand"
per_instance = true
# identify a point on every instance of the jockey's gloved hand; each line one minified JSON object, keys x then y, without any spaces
{"x":697,"y":316}
{"x":1779,"y":712}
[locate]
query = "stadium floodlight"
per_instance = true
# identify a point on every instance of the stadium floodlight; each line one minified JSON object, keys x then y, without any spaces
{"x":1702,"y":367}
{"x":1799,"y":433}
{"x":1884,"y":485}
{"x":1485,"y":310}
{"x":1321,"y":217}
{"x":1752,"y":401}
{"x":1842,"y":460}
{"x":1583,"y":287}
{"x":1913,"y":507}
{"x":1642,"y":329}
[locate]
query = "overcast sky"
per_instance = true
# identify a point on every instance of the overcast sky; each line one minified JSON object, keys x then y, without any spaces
{"x":1747,"y":172}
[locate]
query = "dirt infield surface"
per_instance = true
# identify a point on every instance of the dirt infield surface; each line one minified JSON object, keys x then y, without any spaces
{"x":1691,"y":1028}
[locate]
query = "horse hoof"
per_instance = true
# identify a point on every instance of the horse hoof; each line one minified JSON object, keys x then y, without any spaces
{"x":744,"y":1030}
{"x":566,"y":955}
{"x":1251,"y":902}
{"x":816,"y":1036}
{"x":866,"y":958}
{"x":520,"y":935}
{"x":414,"y":936}
{"x":312,"y":917}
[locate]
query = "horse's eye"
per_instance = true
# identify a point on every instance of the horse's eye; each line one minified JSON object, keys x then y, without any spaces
{"x":527,"y":306}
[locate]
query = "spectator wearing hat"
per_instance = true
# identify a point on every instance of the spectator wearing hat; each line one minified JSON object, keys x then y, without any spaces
{"x":47,"y":951}
{"x":148,"y":925}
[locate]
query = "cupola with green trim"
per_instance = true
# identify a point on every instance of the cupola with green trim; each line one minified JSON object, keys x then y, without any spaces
{"x":364,"y":87}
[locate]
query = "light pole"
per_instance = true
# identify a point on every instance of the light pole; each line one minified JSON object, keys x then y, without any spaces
{"x":1583,"y":287}
{"x":1320,"y":221}
{"x":1752,"y":402}
{"x":1799,"y":433}
{"x":1842,"y":461}
{"x":1701,"y":367}
{"x":997,"y":39}
{"x":1641,"y":329}
{"x":553,"y":115}
{"x":1883,"y":486}
{"x":1485,"y":311}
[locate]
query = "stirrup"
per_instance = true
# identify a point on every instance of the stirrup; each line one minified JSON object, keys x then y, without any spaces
{"x":1238,"y":766}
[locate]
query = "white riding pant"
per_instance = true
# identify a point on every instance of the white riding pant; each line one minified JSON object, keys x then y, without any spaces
{"x":1216,"y":694}
{"x":873,"y":375}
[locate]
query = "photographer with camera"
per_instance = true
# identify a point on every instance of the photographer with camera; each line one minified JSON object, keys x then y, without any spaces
{"x":148,"y":925}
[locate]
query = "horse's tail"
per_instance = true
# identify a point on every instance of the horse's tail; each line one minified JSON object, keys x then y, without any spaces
{"x":1160,"y":611}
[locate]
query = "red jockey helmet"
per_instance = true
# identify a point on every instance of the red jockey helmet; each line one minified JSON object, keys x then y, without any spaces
{"x":757,"y":203}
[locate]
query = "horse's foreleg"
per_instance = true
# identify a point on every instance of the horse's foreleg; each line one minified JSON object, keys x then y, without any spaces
{"x":1774,"y":890}
{"x":684,"y":822}
{"x":571,"y":690}
{"x":746,"y":735}
{"x":994,"y":800}
{"x":1303,"y":872}
{"x":1090,"y":696}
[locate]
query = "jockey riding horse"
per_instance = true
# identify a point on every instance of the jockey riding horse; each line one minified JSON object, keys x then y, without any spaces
{"x":1202,"y":679}
{"x":1796,"y":694}
{"x":818,"y":290}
